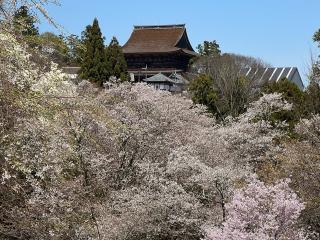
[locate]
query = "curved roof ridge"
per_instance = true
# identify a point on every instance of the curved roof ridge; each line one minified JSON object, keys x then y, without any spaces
{"x":159,"y":26}
{"x":180,"y":37}
{"x":189,"y":46}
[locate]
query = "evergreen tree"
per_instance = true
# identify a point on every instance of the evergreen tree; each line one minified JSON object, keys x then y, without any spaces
{"x":209,"y":48}
{"x":203,"y":92}
{"x":24,"y":22}
{"x":94,"y":66}
{"x":116,"y":60}
{"x":316,"y":36}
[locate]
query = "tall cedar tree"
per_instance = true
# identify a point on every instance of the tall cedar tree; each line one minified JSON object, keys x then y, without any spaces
{"x":24,"y":22}
{"x":94,"y":67}
{"x":115,"y":57}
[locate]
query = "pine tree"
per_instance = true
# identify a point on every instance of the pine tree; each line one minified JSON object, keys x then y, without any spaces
{"x":24,"y":22}
{"x":94,"y":66}
{"x":209,"y":48}
{"x":116,"y":60}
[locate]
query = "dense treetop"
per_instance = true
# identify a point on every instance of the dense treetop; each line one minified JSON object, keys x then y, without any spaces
{"x":209,"y":48}
{"x":24,"y":22}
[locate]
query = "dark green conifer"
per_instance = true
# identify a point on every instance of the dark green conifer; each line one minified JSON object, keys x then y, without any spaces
{"x":116,"y":60}
{"x":24,"y":22}
{"x":94,"y":66}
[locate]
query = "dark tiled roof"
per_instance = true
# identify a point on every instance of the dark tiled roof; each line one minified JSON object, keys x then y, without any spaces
{"x":178,"y":78}
{"x":158,"y":78}
{"x":174,"y":78}
{"x":159,"y":39}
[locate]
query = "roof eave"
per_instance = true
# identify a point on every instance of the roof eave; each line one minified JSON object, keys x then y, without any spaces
{"x":184,"y":33}
{"x":184,"y":51}
{"x":159,"y":26}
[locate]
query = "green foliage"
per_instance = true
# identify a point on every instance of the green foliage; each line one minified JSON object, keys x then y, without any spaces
{"x":290,"y":91}
{"x":316,"y":36}
{"x":238,"y":98}
{"x":94,"y":66}
{"x":24,"y":22}
{"x":76,"y":49}
{"x":315,"y":71}
{"x":312,"y":99}
{"x":59,"y":49}
{"x":54,"y":46}
{"x":116,"y":60}
{"x":304,"y":104}
{"x":24,"y":26}
{"x":234,"y":92}
{"x":204,"y":91}
{"x":64,"y":51}
{"x":292,"y":94}
{"x":209,"y":48}
{"x":98,"y":63}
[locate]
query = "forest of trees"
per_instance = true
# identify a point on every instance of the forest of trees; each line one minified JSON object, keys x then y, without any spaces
{"x":98,"y":61}
{"x":78,"y":161}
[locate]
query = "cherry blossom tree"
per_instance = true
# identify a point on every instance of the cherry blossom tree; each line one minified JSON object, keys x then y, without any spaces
{"x":128,"y":162}
{"x":261,"y":212}
{"x":309,"y":129}
{"x":299,"y":161}
{"x":8,"y":9}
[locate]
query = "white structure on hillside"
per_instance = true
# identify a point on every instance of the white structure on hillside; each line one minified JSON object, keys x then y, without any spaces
{"x":262,"y":75}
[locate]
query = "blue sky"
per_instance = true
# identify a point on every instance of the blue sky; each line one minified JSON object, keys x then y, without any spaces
{"x":277,"y":31}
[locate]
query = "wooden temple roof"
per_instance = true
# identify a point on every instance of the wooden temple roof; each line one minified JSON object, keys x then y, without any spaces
{"x":159,"y":39}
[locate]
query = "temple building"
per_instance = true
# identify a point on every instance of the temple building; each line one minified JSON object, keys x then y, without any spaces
{"x":163,"y":49}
